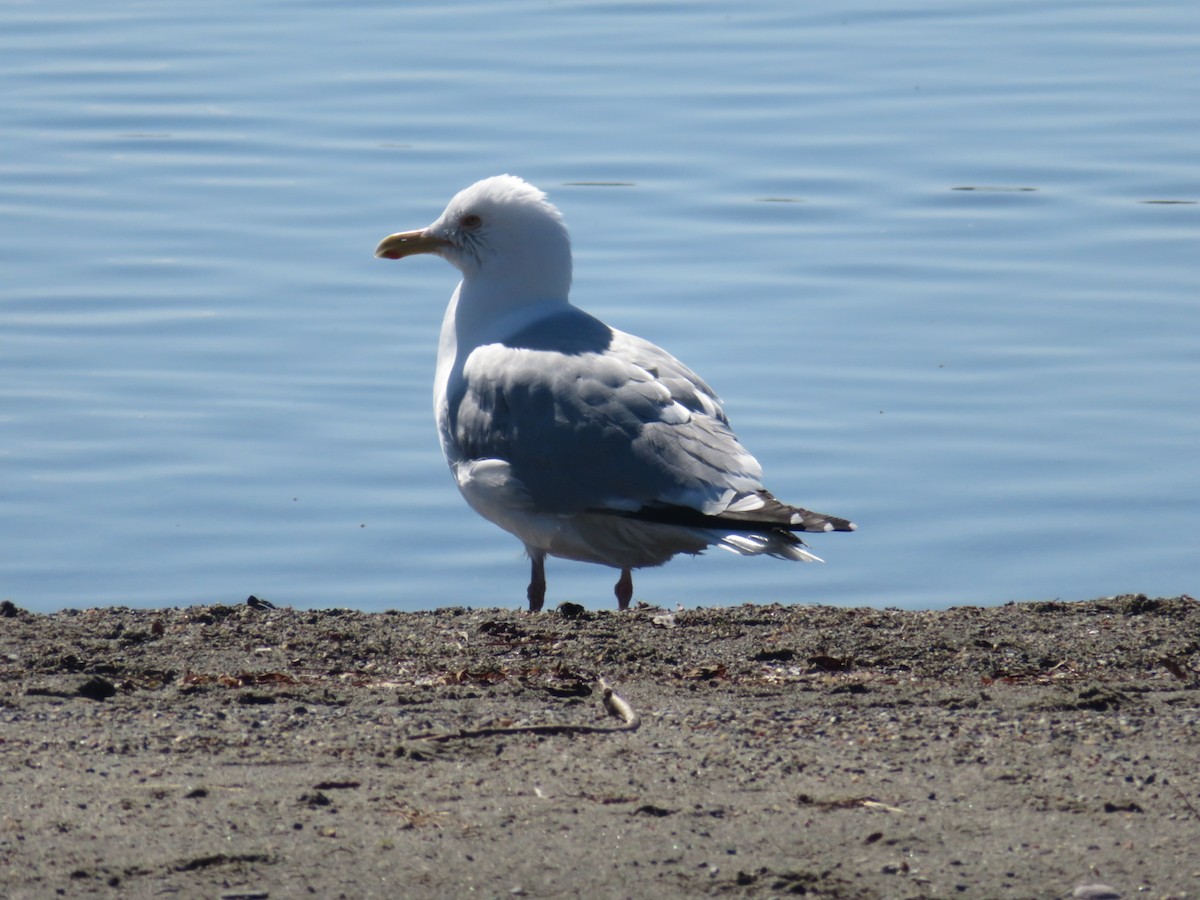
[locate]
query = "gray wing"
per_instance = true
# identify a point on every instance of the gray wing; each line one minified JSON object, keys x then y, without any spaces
{"x":590,"y":418}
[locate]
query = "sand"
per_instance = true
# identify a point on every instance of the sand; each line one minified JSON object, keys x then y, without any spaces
{"x":1029,"y":750}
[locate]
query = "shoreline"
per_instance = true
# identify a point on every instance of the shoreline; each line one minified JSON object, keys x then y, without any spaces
{"x":1026,"y":750}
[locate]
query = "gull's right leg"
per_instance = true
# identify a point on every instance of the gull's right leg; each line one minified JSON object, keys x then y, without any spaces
{"x":624,"y":589}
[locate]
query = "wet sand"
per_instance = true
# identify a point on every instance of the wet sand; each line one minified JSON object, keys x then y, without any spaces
{"x":1030,"y":750}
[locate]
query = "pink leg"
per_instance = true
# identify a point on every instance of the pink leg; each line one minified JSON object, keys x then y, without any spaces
{"x":624,"y":589}
{"x":537,"y":581}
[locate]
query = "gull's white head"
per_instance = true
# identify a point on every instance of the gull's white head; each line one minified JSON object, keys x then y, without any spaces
{"x":500,"y":231}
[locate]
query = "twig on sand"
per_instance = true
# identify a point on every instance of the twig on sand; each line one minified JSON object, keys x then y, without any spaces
{"x":616,"y":706}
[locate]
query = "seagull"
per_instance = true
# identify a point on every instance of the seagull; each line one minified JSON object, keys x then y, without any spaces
{"x":584,"y":442}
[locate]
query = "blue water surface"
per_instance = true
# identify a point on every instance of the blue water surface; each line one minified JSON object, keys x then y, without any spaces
{"x":941,"y":261}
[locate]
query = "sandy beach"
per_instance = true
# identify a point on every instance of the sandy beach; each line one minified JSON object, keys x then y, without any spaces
{"x":1042,"y":750}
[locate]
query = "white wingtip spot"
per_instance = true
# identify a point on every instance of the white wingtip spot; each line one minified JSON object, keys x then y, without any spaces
{"x":853,"y":527}
{"x":795,"y":518}
{"x":828,"y":526}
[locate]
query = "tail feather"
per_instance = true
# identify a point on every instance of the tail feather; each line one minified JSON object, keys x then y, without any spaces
{"x":778,"y":543}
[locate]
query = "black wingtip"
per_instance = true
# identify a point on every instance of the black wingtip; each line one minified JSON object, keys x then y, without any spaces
{"x":771,"y":515}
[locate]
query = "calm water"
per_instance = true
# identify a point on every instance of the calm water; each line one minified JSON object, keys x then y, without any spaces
{"x":940,"y":260}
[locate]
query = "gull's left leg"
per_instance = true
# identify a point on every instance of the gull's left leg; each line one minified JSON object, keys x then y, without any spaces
{"x":537,"y":580}
{"x":624,"y":589}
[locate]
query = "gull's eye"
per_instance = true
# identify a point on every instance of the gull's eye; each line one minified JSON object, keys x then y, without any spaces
{"x":470,"y":222}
